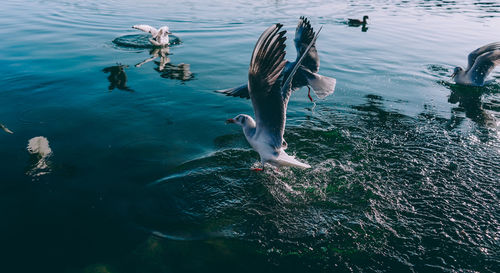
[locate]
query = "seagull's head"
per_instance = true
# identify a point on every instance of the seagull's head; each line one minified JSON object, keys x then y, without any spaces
{"x":164,"y":30}
{"x":457,"y":70}
{"x":365,"y":17}
{"x":242,"y":120}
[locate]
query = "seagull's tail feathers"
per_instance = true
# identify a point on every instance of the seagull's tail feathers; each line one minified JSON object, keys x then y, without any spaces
{"x":287,"y":160}
{"x":322,"y":86}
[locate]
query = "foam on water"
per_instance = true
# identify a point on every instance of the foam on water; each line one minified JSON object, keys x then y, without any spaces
{"x":39,"y":147}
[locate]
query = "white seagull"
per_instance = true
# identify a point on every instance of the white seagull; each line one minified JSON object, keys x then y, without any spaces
{"x":481,"y":62}
{"x":270,"y":89}
{"x":160,"y":36}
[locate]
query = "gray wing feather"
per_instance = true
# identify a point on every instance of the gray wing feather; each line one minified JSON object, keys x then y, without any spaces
{"x":264,"y":84}
{"x":240,"y":91}
{"x":286,"y":88}
{"x":483,"y":65}
{"x":304,"y":34}
{"x":476,"y":53}
{"x":147,"y":28}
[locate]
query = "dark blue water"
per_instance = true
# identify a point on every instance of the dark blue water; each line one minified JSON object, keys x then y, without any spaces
{"x":144,"y":176}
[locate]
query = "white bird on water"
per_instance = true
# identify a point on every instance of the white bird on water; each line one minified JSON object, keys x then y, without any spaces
{"x":270,"y":90}
{"x":160,"y":36}
{"x":480,"y":64}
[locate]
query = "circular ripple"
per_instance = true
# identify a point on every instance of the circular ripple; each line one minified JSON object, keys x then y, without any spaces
{"x":141,"y":41}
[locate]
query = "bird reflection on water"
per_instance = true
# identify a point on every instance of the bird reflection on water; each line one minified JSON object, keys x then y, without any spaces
{"x":180,"y":72}
{"x":165,"y":67}
{"x":156,"y":52}
{"x":117,"y":77}
{"x":475,"y":103}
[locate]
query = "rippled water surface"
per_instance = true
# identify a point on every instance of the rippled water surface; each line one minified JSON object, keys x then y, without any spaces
{"x":139,"y":173}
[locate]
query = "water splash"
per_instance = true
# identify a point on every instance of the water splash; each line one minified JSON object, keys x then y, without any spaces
{"x":141,"y":41}
{"x":40,"y":150}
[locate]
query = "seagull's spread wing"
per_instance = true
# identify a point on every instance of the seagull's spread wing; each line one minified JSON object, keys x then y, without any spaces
{"x":483,"y":65}
{"x":476,"y":53}
{"x":286,"y":87}
{"x":267,"y":88}
{"x":304,"y":34}
{"x":264,"y":85}
{"x":240,"y":91}
{"x":147,"y":28}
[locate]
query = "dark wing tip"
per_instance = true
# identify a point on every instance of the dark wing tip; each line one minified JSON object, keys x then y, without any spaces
{"x":286,"y":87}
{"x":304,"y":33}
{"x":268,"y":58}
{"x":240,"y":91}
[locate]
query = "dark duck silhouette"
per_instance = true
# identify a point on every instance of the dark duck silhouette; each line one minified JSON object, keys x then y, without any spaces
{"x":357,"y":22}
{"x":307,"y":72}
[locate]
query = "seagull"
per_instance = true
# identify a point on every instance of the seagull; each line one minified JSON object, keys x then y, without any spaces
{"x":269,"y":87}
{"x":307,"y":72}
{"x":357,"y":22}
{"x":481,"y":62}
{"x":160,"y":36}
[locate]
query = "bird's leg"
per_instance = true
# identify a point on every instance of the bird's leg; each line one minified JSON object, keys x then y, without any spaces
{"x":146,"y":61}
{"x":309,"y":93}
{"x":164,"y":59}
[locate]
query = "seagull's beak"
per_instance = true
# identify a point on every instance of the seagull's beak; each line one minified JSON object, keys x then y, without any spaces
{"x":453,"y":75}
{"x":230,"y":121}
{"x":168,"y":32}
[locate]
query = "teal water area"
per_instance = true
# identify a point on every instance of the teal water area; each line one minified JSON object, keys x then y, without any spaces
{"x":144,"y":175}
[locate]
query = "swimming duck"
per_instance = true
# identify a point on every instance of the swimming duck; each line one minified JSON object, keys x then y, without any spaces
{"x":357,"y":22}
